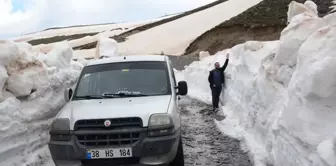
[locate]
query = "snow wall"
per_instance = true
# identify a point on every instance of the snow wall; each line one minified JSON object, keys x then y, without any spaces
{"x":31,"y":94}
{"x":280,"y":96}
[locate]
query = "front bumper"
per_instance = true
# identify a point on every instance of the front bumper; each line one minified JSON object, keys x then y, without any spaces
{"x":146,"y":151}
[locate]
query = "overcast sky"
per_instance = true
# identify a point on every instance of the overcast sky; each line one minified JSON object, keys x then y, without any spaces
{"x":24,"y":16}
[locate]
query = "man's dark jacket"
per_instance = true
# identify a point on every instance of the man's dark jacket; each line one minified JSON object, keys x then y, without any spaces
{"x":222,"y":77}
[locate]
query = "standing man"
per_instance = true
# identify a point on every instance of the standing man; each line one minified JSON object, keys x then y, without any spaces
{"x":217,"y":79}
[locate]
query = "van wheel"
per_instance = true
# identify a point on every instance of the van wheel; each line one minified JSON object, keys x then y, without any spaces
{"x":179,"y":158}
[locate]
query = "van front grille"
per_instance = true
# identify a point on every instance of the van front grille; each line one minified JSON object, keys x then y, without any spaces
{"x":98,"y":124}
{"x":110,"y":139}
{"x":98,"y":138}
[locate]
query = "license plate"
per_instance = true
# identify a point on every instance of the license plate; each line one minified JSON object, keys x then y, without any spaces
{"x":108,"y":153}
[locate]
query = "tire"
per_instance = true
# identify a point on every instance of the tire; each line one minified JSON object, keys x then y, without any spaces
{"x":179,"y":158}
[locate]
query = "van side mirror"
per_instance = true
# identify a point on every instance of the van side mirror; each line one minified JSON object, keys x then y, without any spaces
{"x":182,"y":88}
{"x":68,"y":94}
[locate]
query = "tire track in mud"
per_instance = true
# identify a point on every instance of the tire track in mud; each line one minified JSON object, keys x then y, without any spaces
{"x":203,"y":143}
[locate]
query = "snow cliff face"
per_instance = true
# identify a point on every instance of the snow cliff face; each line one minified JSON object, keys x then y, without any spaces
{"x":280,"y":95}
{"x":31,"y":94}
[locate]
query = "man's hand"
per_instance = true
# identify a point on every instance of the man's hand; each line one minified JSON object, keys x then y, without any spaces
{"x":214,"y":85}
{"x":227,"y":55}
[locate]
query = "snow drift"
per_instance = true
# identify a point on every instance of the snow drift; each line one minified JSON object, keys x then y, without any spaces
{"x":106,"y":47}
{"x":31,"y":94}
{"x":280,"y":96}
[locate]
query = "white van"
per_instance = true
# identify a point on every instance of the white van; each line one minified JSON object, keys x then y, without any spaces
{"x":123,"y":111}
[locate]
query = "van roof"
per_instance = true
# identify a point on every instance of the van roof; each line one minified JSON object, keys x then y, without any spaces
{"x":129,"y":58}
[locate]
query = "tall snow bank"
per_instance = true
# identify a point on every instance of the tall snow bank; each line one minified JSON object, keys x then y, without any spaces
{"x":32,"y":86}
{"x":280,"y":97}
{"x":60,"y":56}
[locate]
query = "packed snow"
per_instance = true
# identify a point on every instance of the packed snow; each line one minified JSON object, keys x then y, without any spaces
{"x":174,"y":37}
{"x":31,"y":94}
{"x":106,"y":47}
{"x":280,"y":95}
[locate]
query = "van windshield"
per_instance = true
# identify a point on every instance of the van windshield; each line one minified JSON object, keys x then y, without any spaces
{"x":123,"y":79}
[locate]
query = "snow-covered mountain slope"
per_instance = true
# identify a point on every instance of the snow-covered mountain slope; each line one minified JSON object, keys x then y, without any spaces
{"x":172,"y":34}
{"x":174,"y":37}
{"x":280,"y":95}
{"x":115,"y":29}
{"x":86,"y":34}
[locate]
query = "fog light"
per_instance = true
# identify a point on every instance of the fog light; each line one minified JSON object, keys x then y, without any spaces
{"x":60,"y":130}
{"x":60,"y":137}
{"x":161,"y":132}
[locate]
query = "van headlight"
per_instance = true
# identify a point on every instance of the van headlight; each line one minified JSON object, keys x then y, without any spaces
{"x":60,"y":130}
{"x":160,"y":125}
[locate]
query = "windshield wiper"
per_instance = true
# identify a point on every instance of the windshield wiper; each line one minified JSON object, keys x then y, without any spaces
{"x":90,"y":97}
{"x":123,"y":94}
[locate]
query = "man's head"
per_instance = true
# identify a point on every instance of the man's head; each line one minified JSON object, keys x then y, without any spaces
{"x":217,"y":65}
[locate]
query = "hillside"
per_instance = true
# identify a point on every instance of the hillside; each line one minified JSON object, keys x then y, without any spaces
{"x":121,"y":37}
{"x":262,"y":22}
{"x":231,"y":23}
{"x":125,"y":33}
{"x":57,"y":34}
{"x":174,"y":37}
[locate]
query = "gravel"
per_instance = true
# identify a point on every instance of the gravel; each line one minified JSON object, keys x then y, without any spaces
{"x":203,"y":143}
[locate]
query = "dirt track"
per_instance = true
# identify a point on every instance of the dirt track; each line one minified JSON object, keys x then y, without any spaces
{"x":203,"y":143}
